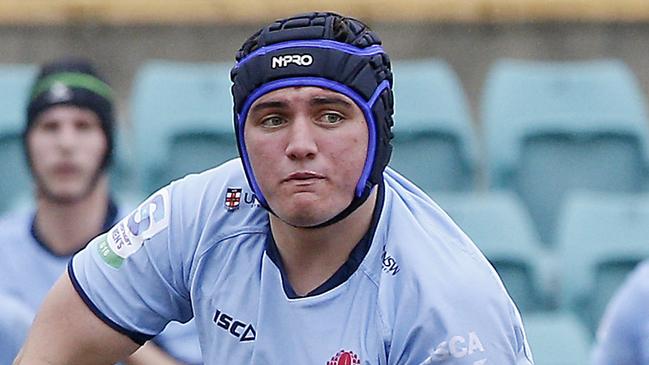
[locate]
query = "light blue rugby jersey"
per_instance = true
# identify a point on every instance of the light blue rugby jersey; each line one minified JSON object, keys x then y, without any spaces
{"x":15,"y":320}
{"x":28,"y":269}
{"x":623,"y":336}
{"x":422,"y":293}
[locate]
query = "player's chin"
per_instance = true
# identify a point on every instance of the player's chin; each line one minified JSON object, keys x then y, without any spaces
{"x":67,"y":191}
{"x":65,"y":196}
{"x":305,"y":215}
{"x":304,"y":222}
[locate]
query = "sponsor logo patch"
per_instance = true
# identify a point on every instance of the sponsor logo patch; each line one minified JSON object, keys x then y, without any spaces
{"x":458,"y":347}
{"x":291,"y":59}
{"x":344,"y":357}
{"x":127,"y":236}
{"x":251,"y":200}
{"x":245,"y":332}
{"x":389,"y":263}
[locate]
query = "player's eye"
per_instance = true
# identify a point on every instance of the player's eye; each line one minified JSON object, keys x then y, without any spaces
{"x":48,"y":126}
{"x":84,"y":125}
{"x":272,"y":122}
{"x":331,"y":118}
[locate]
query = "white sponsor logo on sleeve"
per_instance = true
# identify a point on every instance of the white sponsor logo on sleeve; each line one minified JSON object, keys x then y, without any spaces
{"x":127,"y":236}
{"x":457,"y":347}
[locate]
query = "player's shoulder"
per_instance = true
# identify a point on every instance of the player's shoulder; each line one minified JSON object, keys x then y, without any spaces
{"x":431,"y":251}
{"x":217,"y":200}
{"x":426,"y":237}
{"x":637,"y":281}
{"x":641,"y":272}
{"x":436,"y":288}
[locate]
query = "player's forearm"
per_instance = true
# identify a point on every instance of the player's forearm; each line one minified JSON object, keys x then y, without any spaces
{"x":150,"y":354}
{"x":66,"y":332}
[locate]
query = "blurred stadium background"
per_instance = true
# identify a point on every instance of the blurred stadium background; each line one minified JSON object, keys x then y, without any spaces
{"x":525,"y":119}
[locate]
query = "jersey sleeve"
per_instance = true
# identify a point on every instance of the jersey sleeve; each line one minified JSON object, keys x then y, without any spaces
{"x":623,"y":335}
{"x":479,"y":338}
{"x":135,"y":277}
{"x":180,"y":340}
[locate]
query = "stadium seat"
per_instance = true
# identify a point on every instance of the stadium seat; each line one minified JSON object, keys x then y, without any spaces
{"x":15,"y":187}
{"x":557,"y":338}
{"x":602,"y":236}
{"x":434,"y":143}
{"x":551,"y":127}
{"x":182,"y":120}
{"x":500,"y":226}
{"x":123,"y":183}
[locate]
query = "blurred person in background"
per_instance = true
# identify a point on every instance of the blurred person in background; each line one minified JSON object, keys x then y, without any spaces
{"x":338,"y":260}
{"x":623,"y":334}
{"x":68,"y":140}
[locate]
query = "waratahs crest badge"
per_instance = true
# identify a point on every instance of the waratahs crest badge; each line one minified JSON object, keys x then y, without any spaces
{"x":344,"y":357}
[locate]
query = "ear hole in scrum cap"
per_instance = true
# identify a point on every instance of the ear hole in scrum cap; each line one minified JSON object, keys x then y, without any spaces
{"x":324,"y":50}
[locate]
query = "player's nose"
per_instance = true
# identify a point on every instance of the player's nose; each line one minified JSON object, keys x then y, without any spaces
{"x":301,"y":139}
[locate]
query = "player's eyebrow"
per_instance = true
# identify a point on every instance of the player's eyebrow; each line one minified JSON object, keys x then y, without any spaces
{"x":271,"y":104}
{"x":330,"y":100}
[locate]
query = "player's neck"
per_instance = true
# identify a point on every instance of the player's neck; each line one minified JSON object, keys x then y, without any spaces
{"x":67,"y":227}
{"x":312,"y":255}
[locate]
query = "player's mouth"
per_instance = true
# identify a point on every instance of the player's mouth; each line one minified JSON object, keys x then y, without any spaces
{"x":66,"y":169}
{"x":303,"y":177}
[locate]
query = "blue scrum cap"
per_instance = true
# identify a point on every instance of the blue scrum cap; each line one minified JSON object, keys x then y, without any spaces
{"x":325,"y":50}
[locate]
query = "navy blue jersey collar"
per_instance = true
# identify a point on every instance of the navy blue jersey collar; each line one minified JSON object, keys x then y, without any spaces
{"x":111,"y":217}
{"x":346,"y":270}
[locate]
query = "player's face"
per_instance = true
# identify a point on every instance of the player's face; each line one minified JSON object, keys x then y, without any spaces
{"x":67,"y":146}
{"x":307,"y":147}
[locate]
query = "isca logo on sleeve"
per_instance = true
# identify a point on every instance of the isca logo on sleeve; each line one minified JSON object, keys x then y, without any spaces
{"x":457,"y":347}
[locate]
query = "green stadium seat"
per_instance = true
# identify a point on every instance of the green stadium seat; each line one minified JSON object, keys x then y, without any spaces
{"x":434,"y":142}
{"x":602,"y":237}
{"x":499,"y":225}
{"x":557,"y":338}
{"x":182,"y":120}
{"x":15,"y":187}
{"x":551,"y":127}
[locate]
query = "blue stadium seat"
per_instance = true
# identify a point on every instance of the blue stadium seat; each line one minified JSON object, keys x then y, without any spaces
{"x":500,"y":226}
{"x":551,"y":127}
{"x":602,"y":236}
{"x":434,"y":142}
{"x":557,"y":338}
{"x":182,"y":119}
{"x":15,"y":187}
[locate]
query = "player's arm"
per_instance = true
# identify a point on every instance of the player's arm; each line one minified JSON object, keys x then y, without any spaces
{"x":150,"y":354}
{"x":67,"y":332}
{"x":624,"y":326}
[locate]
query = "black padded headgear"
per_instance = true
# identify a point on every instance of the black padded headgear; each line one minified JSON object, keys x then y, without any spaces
{"x":329,"y":51}
{"x":72,"y":81}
